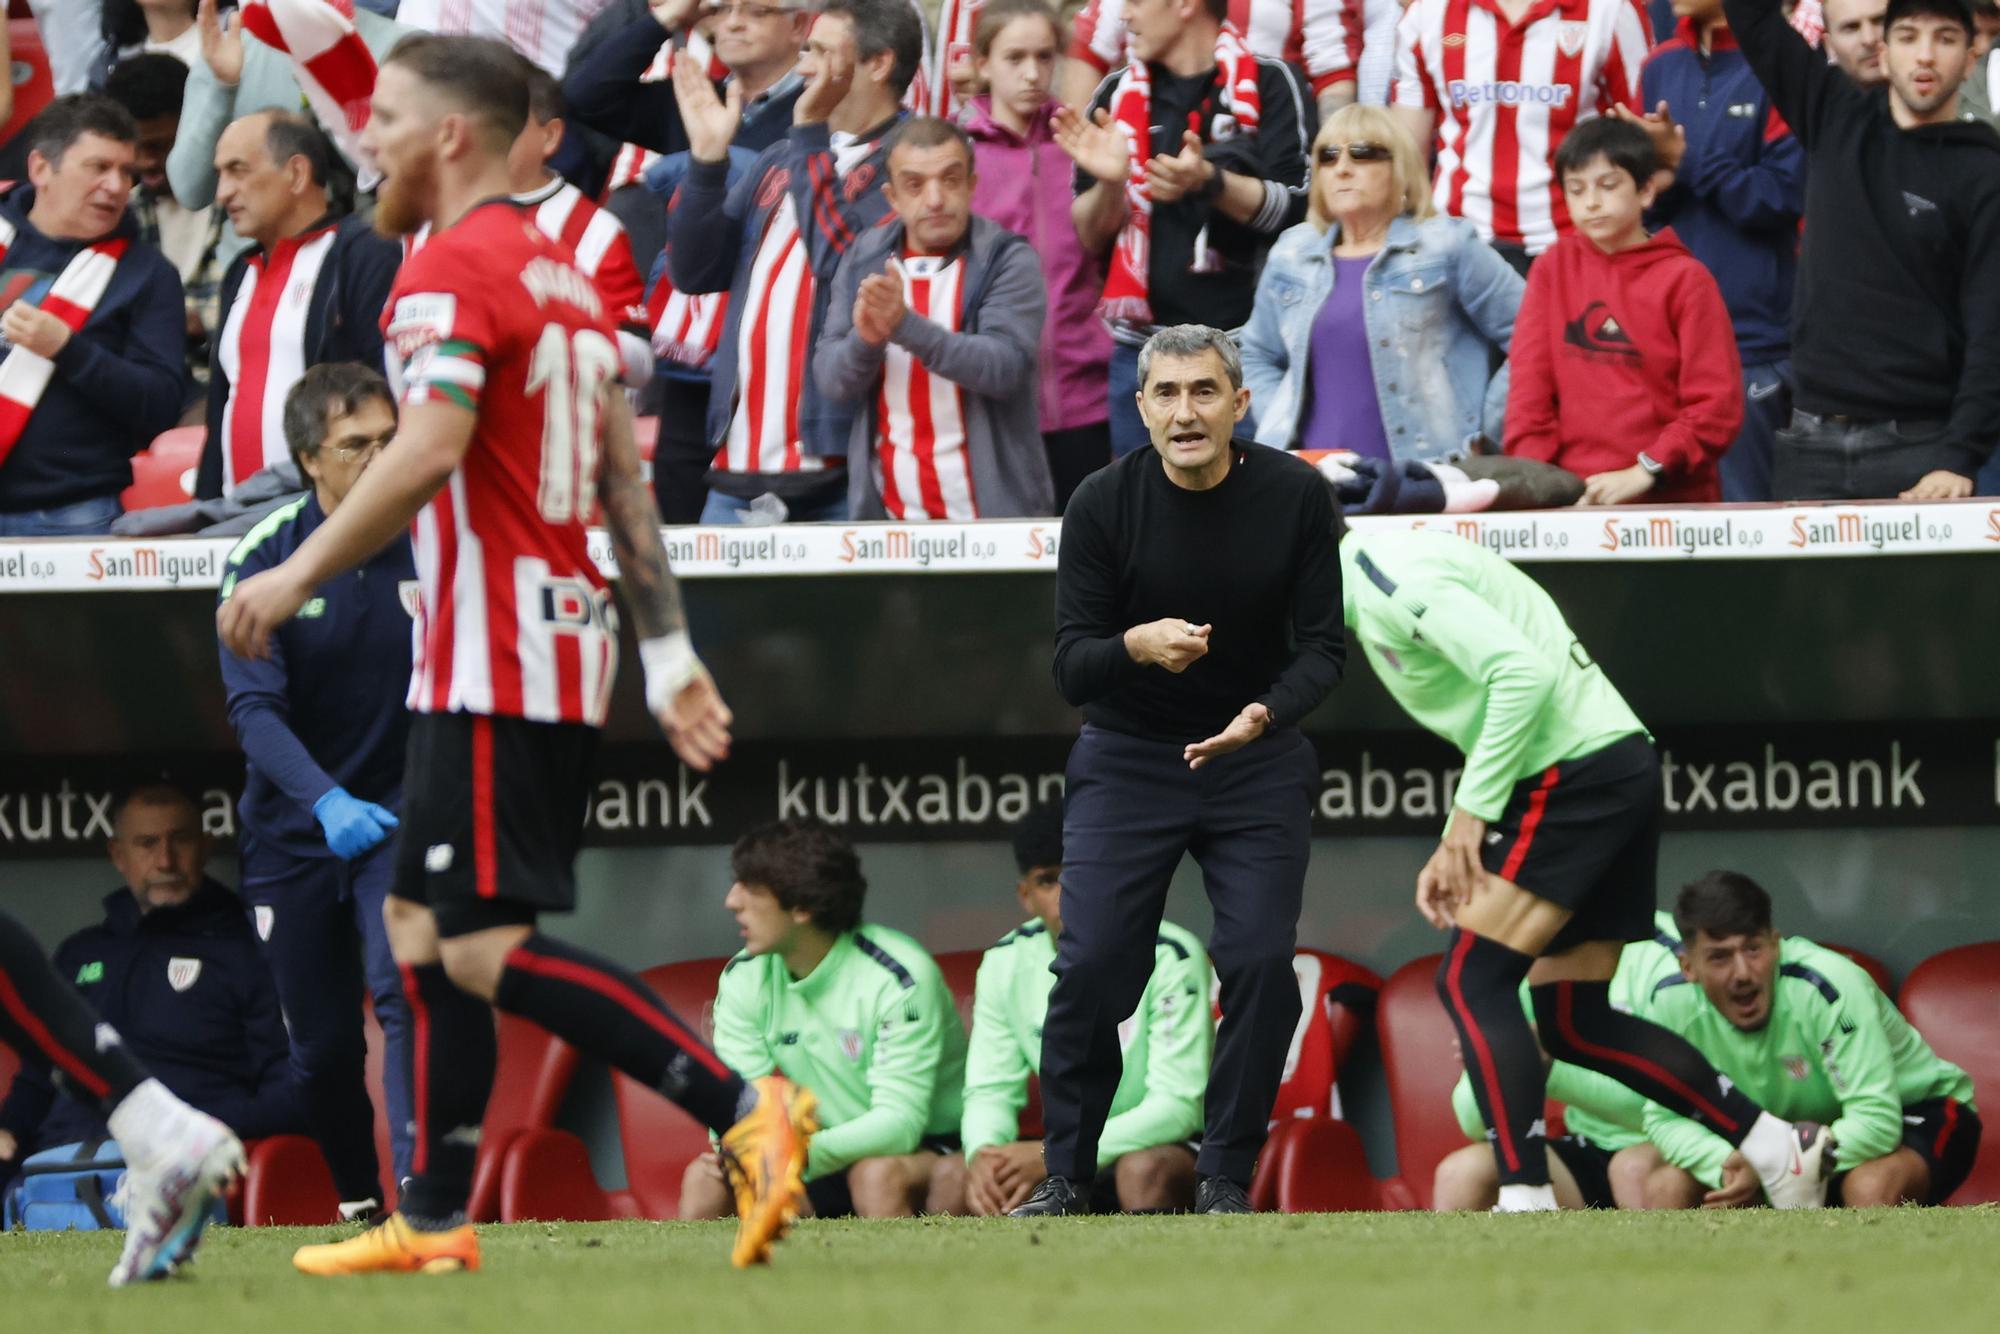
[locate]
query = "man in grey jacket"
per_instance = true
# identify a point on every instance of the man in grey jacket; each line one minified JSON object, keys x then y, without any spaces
{"x":933,"y":331}
{"x":236,"y":75}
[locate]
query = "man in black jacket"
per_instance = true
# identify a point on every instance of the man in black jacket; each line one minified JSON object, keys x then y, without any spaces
{"x":1197,"y":624}
{"x":309,"y":290}
{"x":174,"y":968}
{"x":1895,"y":329}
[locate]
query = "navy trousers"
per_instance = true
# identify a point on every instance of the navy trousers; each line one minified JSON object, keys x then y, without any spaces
{"x":1132,"y":808}
{"x":320,"y":920}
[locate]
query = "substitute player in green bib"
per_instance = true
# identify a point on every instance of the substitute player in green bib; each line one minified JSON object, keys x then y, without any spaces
{"x":1145,"y":1164}
{"x":1807,"y":1033}
{"x":1548,"y":863}
{"x":1602,"y":1160}
{"x":860,"y":1008}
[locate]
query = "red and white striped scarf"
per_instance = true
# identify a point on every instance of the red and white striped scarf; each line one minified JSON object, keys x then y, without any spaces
{"x":331,"y":62}
{"x":72,"y":298}
{"x":1127,"y":295}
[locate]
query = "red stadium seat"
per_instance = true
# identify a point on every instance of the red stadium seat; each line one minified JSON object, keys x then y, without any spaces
{"x":529,"y":1082}
{"x":163,"y":472}
{"x":1870,"y":965}
{"x":37,"y":88}
{"x":546,"y":1174}
{"x":1420,"y":1066}
{"x":1953,"y":998}
{"x":286,"y":1184}
{"x":1336,"y":997}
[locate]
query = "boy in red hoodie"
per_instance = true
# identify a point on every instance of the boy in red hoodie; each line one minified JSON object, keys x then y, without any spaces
{"x":1623,"y":365}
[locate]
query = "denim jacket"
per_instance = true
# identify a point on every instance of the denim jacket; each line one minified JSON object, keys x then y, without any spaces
{"x":1440,"y":304}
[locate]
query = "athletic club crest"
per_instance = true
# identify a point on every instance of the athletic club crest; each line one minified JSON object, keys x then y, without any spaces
{"x":850,"y":1043}
{"x":1795,"y":1066}
{"x":181,"y":973}
{"x":1570,"y":37}
{"x":265,"y":916}
{"x":411,"y":591}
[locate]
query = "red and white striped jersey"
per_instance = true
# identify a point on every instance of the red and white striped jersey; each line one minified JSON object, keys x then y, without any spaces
{"x":772,"y":356}
{"x":957,"y":21}
{"x":921,"y":468}
{"x":514,"y":618}
{"x":596,"y":240}
{"x":541,"y":30}
{"x":1320,"y":37}
{"x":262,"y":351}
{"x":686,"y":327}
{"x":1503,"y":96}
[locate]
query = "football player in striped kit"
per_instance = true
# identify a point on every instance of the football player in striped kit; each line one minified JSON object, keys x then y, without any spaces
{"x":513,"y":431}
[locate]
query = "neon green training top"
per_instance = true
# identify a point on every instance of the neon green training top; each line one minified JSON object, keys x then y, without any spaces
{"x":1475,"y":651}
{"x":1166,"y":1044}
{"x":1834,"y":1050}
{"x":872,"y":1031}
{"x":1597,"y":1107}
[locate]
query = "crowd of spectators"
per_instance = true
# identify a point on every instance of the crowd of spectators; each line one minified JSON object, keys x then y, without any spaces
{"x":1675,"y":251}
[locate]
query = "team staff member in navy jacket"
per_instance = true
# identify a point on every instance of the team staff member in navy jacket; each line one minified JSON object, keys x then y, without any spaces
{"x":93,"y":335}
{"x":1739,"y":190}
{"x":174,"y":969}
{"x":323,"y":725}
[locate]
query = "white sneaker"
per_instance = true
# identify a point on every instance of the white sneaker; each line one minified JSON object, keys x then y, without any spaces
{"x":167,"y":1201}
{"x":1800,"y":1182}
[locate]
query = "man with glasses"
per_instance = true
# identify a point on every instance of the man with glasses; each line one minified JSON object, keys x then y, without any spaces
{"x":309,"y":290}
{"x":323,"y":728}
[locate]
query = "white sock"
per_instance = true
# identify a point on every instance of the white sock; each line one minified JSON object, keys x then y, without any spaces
{"x":147,"y":1122}
{"x":1768,"y":1147}
{"x":1516,"y":1198}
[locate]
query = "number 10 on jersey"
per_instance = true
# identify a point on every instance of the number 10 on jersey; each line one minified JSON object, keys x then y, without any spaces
{"x":571,"y":370}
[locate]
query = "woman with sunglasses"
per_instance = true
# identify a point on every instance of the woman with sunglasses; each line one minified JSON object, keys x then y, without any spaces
{"x":1378,"y":322}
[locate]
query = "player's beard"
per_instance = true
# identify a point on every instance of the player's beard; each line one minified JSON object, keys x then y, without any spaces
{"x":401,"y":204}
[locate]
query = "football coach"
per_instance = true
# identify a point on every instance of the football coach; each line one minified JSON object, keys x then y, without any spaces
{"x":1197,"y":623}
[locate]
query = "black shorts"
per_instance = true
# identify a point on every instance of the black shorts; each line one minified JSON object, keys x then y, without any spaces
{"x":1585,"y":834}
{"x":1944,"y":1132}
{"x":493,"y":814}
{"x":1590,"y":1164}
{"x":832,"y":1199}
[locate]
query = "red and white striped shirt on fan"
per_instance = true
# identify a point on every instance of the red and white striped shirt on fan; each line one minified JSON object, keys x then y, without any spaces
{"x":1503,"y":96}
{"x":262,"y":351}
{"x":772,"y":355}
{"x":1320,"y":37}
{"x":514,"y":617}
{"x":921,"y":467}
{"x":541,"y":30}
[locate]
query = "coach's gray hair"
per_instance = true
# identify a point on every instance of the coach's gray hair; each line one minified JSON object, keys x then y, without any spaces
{"x":1191,"y":340}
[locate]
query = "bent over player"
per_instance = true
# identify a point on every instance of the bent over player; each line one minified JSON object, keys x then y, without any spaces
{"x":513,"y":428}
{"x":1548,"y":863}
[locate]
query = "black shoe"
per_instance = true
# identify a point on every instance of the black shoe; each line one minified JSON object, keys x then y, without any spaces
{"x":1220,"y":1195}
{"x":1056,"y":1197}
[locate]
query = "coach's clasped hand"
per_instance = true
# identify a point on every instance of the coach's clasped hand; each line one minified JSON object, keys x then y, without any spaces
{"x":1169,"y":642}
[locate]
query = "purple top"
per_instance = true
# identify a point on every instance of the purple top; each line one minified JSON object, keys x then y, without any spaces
{"x":1345,"y":412}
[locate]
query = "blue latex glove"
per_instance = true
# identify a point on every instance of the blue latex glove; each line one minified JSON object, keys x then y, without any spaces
{"x":352,"y":825}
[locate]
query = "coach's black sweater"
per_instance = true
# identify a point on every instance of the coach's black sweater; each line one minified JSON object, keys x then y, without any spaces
{"x":1895,"y":315}
{"x":1257,"y":557}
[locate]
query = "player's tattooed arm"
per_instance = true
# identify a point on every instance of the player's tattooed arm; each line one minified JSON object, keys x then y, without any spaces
{"x":652,"y":595}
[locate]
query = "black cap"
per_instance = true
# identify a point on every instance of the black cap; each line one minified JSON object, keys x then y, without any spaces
{"x":1958,"y":11}
{"x":1038,"y":837}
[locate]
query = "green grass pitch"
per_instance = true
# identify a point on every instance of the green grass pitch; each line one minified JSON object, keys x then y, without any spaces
{"x":1907,"y":1270}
